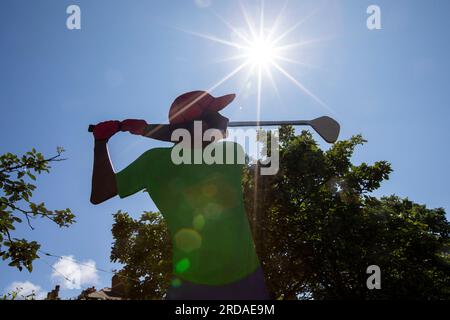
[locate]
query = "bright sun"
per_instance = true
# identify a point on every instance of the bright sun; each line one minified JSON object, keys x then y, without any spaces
{"x":262,"y":50}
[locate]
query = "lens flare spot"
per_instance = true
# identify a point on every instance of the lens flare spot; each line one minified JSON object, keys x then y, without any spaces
{"x":213,"y":210}
{"x":176,"y":282}
{"x":182,"y":265}
{"x":210,"y":190}
{"x":199,"y":222}
{"x":188,"y":240}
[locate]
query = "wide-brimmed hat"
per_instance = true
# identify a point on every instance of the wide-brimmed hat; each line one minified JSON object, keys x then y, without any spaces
{"x":194,"y":105}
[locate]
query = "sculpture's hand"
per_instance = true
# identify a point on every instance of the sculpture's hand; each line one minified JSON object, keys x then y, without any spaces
{"x":133,"y":126}
{"x":105,"y":130}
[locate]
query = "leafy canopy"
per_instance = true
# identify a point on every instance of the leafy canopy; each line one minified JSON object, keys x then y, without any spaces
{"x":143,"y":246}
{"x":317,"y":228}
{"x":17,"y":175}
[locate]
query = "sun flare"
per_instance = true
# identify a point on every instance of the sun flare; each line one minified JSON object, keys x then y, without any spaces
{"x":263,"y":50}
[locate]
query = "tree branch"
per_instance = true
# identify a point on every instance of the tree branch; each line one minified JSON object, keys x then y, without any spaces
{"x":24,"y":212}
{"x":7,"y":233}
{"x":15,"y":168}
{"x":28,"y":220}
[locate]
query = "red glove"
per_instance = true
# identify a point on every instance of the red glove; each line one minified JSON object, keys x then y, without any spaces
{"x":105,"y":130}
{"x":134,"y":126}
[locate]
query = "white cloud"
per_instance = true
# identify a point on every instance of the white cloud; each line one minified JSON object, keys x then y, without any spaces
{"x":71,"y":274}
{"x":203,"y":3}
{"x":26,"y":289}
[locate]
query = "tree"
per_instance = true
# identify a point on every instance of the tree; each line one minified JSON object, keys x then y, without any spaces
{"x":16,"y":191}
{"x":143,"y":246}
{"x":15,"y":295}
{"x":317,"y":228}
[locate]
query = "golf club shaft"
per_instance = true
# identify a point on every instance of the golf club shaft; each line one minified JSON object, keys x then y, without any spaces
{"x":249,"y":124}
{"x":267,"y":123}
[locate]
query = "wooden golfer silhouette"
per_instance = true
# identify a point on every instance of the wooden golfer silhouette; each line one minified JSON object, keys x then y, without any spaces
{"x":213,"y":251}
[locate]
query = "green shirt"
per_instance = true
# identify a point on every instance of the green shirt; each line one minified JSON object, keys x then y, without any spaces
{"x":204,"y":210}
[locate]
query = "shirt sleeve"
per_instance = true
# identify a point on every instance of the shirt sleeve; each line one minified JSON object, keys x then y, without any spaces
{"x":135,"y":177}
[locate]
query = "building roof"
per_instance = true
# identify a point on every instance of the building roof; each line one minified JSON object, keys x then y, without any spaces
{"x":103,"y":294}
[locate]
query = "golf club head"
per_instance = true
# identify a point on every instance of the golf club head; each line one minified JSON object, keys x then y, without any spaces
{"x":327,"y":128}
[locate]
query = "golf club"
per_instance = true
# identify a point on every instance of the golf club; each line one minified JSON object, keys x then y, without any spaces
{"x":326,"y":127}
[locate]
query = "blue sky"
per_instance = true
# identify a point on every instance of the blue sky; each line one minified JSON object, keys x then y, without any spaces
{"x":132,"y":58}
